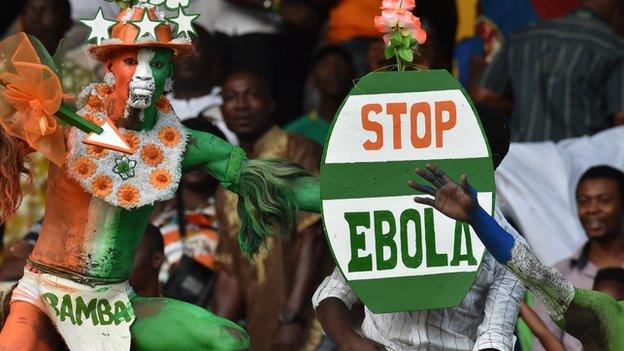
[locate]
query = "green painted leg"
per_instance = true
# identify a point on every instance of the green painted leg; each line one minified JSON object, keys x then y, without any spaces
{"x":167,"y":324}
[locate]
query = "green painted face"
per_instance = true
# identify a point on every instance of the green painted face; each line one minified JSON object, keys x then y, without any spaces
{"x":162,"y":68}
{"x":150,"y":71}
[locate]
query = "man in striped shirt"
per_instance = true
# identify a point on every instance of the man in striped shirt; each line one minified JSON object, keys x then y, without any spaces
{"x":566,"y":76}
{"x":484,"y":320}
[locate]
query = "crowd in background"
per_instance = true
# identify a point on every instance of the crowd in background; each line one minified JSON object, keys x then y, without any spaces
{"x":270,"y":76}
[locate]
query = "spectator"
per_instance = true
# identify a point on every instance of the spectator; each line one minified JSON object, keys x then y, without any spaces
{"x":351,"y":27}
{"x":274,"y":291}
{"x":496,"y":20}
{"x":272,"y":38}
{"x":440,"y":17}
{"x":600,"y":202}
{"x":196,"y":90}
{"x":484,"y":320}
{"x":148,"y":258}
{"x":610,"y":281}
{"x":566,"y":75}
{"x":48,"y":20}
{"x":332,"y":74}
{"x":376,"y":58}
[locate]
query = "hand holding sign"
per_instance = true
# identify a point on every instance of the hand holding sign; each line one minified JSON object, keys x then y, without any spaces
{"x":454,"y":200}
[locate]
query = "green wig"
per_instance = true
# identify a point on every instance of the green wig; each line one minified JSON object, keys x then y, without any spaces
{"x":266,"y":202}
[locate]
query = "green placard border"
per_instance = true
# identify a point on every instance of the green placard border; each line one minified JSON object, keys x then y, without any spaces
{"x":404,"y":288}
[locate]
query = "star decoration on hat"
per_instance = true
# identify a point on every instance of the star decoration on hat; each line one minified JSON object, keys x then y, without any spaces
{"x":147,"y":26}
{"x":184,"y":23}
{"x":98,"y":27}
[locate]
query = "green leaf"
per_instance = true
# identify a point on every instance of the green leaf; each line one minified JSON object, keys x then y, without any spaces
{"x":58,"y":57}
{"x":69,"y":116}
{"x":407,"y":41}
{"x":406,"y":54}
{"x":44,"y":55}
{"x":396,"y":39}
{"x":389,"y":52}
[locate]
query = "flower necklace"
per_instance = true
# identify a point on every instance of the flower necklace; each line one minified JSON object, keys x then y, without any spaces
{"x":150,"y":174}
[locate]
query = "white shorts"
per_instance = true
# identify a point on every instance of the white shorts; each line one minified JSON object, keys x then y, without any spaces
{"x":87,"y":317}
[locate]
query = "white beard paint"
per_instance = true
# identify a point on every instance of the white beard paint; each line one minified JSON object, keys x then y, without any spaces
{"x":142,"y":86}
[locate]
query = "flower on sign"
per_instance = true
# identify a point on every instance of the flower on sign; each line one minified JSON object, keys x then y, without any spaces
{"x":402,"y":30}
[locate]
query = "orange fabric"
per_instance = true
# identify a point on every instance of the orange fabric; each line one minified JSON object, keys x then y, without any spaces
{"x":352,"y":19}
{"x":34,"y":94}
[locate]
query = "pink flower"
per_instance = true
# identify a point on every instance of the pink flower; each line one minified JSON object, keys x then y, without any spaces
{"x":397,"y":14}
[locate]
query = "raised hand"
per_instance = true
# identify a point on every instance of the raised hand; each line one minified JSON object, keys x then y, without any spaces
{"x":457,"y":201}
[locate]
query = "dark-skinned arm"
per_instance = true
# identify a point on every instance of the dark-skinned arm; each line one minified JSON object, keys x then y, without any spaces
{"x":335,"y":319}
{"x":290,"y":335}
{"x":332,"y":301}
{"x":228,"y":298}
{"x":539,"y":329}
{"x":459,"y":201}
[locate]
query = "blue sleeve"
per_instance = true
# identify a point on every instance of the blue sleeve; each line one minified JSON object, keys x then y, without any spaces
{"x":497,"y":241}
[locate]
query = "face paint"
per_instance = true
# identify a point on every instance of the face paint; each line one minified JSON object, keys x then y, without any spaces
{"x":147,"y":84}
{"x":142,"y":85}
{"x":140,"y":76}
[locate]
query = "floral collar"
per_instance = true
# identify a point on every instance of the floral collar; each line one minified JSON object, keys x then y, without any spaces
{"x":150,"y":174}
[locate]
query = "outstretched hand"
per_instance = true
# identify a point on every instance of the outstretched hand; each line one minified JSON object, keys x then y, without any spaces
{"x":457,"y":201}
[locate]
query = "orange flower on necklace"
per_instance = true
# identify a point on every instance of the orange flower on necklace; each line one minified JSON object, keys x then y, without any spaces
{"x":103,"y":90}
{"x":96,"y":151}
{"x":102,"y":185}
{"x":132,"y":139}
{"x":160,"y":178}
{"x":163,"y":105}
{"x":84,"y":167}
{"x":89,"y":117}
{"x":128,"y":195}
{"x":152,"y":155}
{"x":169,"y":136}
{"x":94,"y":102}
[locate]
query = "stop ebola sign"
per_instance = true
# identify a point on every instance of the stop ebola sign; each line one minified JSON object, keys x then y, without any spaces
{"x":398,"y":255}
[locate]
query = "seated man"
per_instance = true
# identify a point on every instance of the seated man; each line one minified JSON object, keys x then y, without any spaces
{"x":600,"y":208}
{"x":595,"y":318}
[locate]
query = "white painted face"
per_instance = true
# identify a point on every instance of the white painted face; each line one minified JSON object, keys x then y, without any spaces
{"x":142,"y":85}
